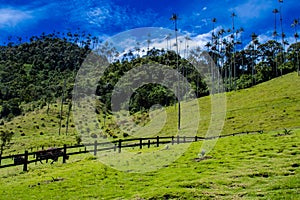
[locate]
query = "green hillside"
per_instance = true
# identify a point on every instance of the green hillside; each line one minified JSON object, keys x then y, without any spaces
{"x":250,"y":166}
{"x":268,"y":106}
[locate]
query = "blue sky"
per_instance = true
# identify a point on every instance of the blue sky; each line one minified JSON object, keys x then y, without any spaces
{"x":104,"y":18}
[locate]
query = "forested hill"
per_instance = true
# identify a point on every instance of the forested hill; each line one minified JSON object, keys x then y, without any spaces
{"x":35,"y":71}
{"x":38,"y":72}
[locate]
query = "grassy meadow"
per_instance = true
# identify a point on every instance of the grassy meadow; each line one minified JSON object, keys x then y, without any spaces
{"x":253,"y":166}
{"x":264,"y":166}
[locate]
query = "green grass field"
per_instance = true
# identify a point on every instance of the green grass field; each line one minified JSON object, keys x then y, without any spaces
{"x":262,"y":166}
{"x":254,"y":166}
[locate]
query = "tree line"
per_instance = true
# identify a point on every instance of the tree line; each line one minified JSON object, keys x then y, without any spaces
{"x":41,"y":69}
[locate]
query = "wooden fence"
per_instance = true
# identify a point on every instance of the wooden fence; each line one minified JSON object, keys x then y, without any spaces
{"x":116,"y":145}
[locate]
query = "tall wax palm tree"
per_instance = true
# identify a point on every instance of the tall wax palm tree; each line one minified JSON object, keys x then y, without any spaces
{"x":61,"y":107}
{"x":186,"y":53}
{"x":296,"y":36}
{"x":240,"y":42}
{"x":213,"y":48}
{"x":275,"y":34}
{"x":219,"y":54}
{"x":281,"y":27}
{"x":228,"y":50}
{"x":224,"y":51}
{"x":208,"y":45}
{"x":168,"y":37}
{"x":233,"y":15}
{"x":294,"y":25}
{"x":174,"y":18}
{"x":238,"y":55}
{"x":138,"y":49}
{"x":214,"y":21}
{"x":282,"y":33}
{"x":213,"y":36}
{"x":254,"y":44}
{"x":186,"y":50}
{"x":210,"y":48}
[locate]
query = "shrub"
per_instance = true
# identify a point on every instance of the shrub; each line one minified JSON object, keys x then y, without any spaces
{"x":78,"y":139}
{"x":287,"y":132}
{"x":125,"y":134}
{"x":5,"y":137}
{"x":93,"y":135}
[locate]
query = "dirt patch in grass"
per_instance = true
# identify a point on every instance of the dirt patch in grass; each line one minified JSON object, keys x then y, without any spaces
{"x":202,"y":158}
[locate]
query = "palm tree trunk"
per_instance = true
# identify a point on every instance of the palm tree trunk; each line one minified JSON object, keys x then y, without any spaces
{"x":61,"y":107}
{"x":275,"y":11}
{"x":68,"y":117}
{"x":282,"y":37}
{"x":175,"y":18}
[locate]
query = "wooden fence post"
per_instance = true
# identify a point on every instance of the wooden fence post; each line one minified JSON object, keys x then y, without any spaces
{"x":157,"y":141}
{"x":148,"y":144}
{"x":25,"y":161}
{"x":177,"y":139}
{"x":196,"y":138}
{"x":65,"y":153}
{"x":141,"y":143}
{"x":95,"y":148}
{"x":120,"y":145}
{"x":172,"y":140}
{"x":183,"y":139}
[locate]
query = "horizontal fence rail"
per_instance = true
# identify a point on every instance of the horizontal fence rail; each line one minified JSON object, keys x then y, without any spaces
{"x":115,"y":145}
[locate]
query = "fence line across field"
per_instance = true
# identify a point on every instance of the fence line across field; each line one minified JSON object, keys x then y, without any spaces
{"x":117,"y":145}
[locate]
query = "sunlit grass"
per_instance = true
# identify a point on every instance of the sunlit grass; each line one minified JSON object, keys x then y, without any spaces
{"x":263,"y":165}
{"x":247,"y":166}
{"x":268,"y":106}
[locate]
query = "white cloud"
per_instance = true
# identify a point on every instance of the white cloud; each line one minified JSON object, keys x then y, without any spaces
{"x":264,"y":38}
{"x":10,"y":17}
{"x":160,"y":42}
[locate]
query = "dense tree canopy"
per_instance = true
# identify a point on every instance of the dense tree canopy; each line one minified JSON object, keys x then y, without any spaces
{"x":36,"y":70}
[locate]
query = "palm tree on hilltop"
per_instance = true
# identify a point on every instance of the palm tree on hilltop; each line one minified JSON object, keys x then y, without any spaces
{"x":175,"y":18}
